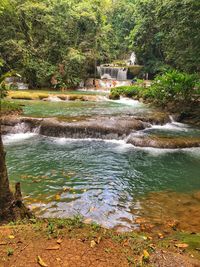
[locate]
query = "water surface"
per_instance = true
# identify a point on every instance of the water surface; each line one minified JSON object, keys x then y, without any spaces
{"x":102,"y":180}
{"x":109,"y":182}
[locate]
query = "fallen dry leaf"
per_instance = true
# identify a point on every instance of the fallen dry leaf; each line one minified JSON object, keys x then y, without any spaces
{"x":160,"y":236}
{"x":41,"y":262}
{"x":99,"y":239}
{"x":11,"y":236}
{"x":59,"y":241}
{"x":183,"y":245}
{"x":92,"y":244}
{"x":140,"y":220}
{"x":146,"y":255}
{"x":57,"y":197}
{"x":56,"y":247}
{"x":3,"y":243}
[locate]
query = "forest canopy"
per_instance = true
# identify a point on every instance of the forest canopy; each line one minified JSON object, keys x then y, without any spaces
{"x":67,"y":38}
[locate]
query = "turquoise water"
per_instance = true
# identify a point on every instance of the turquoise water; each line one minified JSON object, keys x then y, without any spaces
{"x":67,"y":92}
{"x":80,"y":108}
{"x":102,"y":180}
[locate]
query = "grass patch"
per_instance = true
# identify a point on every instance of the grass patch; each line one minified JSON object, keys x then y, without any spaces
{"x":193,"y":240}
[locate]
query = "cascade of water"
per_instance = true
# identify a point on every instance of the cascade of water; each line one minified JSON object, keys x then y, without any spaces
{"x":21,"y":128}
{"x":122,"y":74}
{"x":132,"y":59}
{"x":116,"y":73}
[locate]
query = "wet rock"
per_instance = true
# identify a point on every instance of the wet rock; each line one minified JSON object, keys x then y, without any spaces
{"x":6,"y":129}
{"x":77,"y":97}
{"x":89,"y":127}
{"x":157,"y":118}
{"x":163,"y":142}
{"x":10,"y":120}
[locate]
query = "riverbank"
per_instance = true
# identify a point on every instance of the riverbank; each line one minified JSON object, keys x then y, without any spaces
{"x":170,"y":93}
{"x":71,"y":242}
{"x":9,"y":108}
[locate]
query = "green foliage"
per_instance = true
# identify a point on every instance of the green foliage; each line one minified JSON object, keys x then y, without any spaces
{"x":128,"y":91}
{"x":53,"y":38}
{"x":65,"y":39}
{"x":4,"y":87}
{"x":167,"y":33}
{"x":95,"y":226}
{"x":10,"y":251}
{"x":173,"y":85}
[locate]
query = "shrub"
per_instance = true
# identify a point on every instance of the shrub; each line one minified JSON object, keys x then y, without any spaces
{"x":173,"y":85}
{"x":128,"y":91}
{"x":167,"y":87}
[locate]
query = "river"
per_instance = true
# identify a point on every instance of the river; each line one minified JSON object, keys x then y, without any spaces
{"x":107,"y":181}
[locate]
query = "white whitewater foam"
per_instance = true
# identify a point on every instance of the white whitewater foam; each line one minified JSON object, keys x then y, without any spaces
{"x":193,"y":151}
{"x":15,"y":138}
{"x":63,"y":140}
{"x":94,"y":90}
{"x":175,"y":126}
{"x":120,"y":145}
{"x":54,"y":99}
{"x":128,"y":101}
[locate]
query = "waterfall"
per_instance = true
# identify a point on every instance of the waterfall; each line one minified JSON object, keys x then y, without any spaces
{"x":116,"y":73}
{"x":23,"y":127}
{"x":122,"y":74}
{"x":132,"y":59}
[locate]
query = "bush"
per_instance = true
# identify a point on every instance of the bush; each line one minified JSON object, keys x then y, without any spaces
{"x":128,"y":91}
{"x":173,"y":85}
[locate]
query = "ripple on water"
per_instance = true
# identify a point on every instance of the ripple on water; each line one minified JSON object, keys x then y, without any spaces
{"x":102,"y":180}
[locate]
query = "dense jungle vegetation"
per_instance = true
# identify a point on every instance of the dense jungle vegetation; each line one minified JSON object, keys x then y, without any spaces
{"x":65,"y":39}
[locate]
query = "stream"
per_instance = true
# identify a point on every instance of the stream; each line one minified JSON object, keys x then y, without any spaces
{"x":110,"y":182}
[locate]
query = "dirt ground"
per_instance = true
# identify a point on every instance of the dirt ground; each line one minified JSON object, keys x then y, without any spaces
{"x":75,"y":245}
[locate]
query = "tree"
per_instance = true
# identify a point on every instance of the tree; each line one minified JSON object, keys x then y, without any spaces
{"x":11,"y":205}
{"x":166,"y":32}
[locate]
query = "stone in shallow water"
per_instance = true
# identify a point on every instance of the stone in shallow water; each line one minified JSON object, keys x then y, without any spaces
{"x":94,"y":127}
{"x":157,"y":141}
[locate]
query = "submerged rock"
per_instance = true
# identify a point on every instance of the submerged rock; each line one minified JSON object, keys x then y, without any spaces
{"x":57,"y":98}
{"x":157,"y":141}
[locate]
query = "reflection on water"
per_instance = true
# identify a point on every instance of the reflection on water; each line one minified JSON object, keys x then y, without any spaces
{"x":106,"y":181}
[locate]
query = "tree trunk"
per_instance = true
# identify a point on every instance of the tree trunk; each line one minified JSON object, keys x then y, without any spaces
{"x":11,"y":206}
{"x":5,"y":193}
